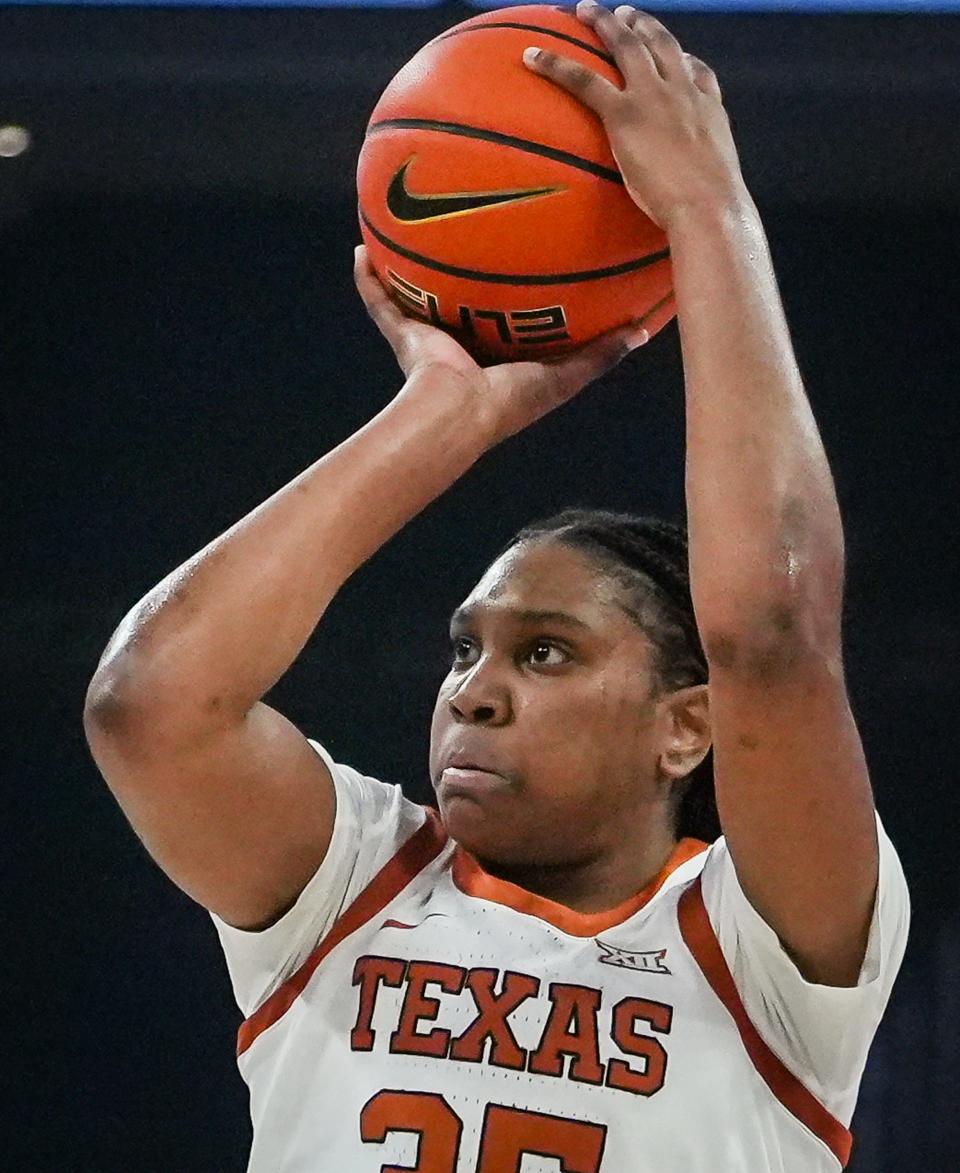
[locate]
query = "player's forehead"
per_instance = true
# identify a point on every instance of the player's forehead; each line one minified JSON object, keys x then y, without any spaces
{"x":543,"y":578}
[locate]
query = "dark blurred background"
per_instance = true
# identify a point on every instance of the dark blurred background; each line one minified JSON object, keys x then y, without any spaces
{"x":180,"y":337}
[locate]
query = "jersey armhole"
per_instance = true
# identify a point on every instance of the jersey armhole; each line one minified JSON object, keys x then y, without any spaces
{"x":423,"y":846}
{"x":701,"y":940}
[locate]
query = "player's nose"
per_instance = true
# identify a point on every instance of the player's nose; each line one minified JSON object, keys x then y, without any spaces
{"x":480,"y":699}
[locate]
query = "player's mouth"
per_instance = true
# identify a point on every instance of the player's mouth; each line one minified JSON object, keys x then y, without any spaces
{"x":469,"y":782}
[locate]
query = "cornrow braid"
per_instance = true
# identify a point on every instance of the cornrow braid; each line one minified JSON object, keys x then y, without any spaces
{"x":648,"y":557}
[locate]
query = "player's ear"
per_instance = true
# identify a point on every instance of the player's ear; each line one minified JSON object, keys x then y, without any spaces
{"x":686,"y":730}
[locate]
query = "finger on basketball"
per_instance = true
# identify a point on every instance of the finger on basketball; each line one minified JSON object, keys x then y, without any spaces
{"x":385,"y":314}
{"x":660,"y":43}
{"x":588,"y":363}
{"x":659,"y":315}
{"x":589,"y":87}
{"x":703,"y":76}
{"x":628,"y":51}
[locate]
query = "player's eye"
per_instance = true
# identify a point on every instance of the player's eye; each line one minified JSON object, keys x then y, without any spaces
{"x":542,"y":649}
{"x":462,"y":649}
{"x":543,"y":653}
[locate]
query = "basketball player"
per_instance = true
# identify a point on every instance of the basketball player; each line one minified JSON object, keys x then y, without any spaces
{"x":566,"y":968}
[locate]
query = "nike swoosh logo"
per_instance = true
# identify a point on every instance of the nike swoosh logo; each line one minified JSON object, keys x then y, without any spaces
{"x":410,"y":208}
{"x":399,"y":924}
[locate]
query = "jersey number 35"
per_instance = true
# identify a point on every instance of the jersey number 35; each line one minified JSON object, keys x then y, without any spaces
{"x":508,"y":1133}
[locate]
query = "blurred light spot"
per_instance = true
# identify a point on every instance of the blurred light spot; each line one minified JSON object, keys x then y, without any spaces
{"x":14,"y":140}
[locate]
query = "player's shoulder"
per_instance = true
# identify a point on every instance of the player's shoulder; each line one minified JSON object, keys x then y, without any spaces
{"x":686,"y":864}
{"x":376,"y":816}
{"x":358,"y":791}
{"x":717,"y":858}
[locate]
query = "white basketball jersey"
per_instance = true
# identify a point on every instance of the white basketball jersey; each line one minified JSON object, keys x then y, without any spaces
{"x":411,"y":1012}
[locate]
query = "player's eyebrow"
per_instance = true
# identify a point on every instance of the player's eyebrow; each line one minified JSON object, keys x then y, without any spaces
{"x":465,"y":615}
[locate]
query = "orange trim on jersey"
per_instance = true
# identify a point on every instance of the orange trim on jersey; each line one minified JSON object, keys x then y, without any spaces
{"x":701,"y":940}
{"x":470,"y":878}
{"x":423,"y":846}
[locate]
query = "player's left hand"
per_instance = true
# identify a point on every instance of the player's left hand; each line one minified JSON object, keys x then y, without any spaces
{"x":502,"y":398}
{"x":667,"y":127}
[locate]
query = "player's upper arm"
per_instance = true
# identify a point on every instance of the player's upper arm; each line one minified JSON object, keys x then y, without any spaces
{"x":239,"y":817}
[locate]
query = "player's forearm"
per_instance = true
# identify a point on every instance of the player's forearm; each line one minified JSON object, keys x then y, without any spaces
{"x":217,"y":633}
{"x":764,"y":524}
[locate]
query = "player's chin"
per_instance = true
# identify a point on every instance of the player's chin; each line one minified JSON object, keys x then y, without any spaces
{"x":475,"y":825}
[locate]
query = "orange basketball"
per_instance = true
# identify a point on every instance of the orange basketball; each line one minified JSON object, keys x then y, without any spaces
{"x":490,"y":201}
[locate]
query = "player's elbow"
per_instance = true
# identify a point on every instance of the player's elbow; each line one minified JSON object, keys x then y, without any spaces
{"x":106,"y":710}
{"x":772,"y":639}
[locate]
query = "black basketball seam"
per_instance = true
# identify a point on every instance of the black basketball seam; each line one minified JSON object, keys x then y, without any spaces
{"x":505,"y":140}
{"x":653,"y":309}
{"x":531,"y":28}
{"x":517,"y":278}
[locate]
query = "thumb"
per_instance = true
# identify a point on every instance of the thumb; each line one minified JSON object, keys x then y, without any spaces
{"x":388,"y":319}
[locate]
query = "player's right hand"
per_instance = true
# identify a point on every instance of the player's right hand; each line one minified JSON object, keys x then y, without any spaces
{"x":667,"y":126}
{"x":503,"y":399}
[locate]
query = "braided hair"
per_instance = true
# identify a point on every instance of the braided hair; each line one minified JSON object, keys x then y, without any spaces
{"x":648,"y":558}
